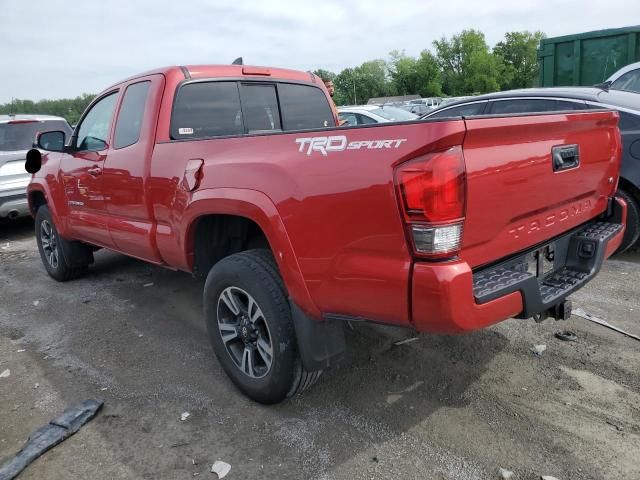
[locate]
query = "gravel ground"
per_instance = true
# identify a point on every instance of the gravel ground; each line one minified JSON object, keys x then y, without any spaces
{"x":437,"y":408}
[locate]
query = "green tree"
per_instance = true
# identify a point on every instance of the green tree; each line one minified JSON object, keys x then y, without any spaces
{"x":359,"y":84}
{"x":69,"y":108}
{"x":519,"y":54}
{"x":467,"y":64}
{"x":415,"y":76}
{"x":324,"y":74}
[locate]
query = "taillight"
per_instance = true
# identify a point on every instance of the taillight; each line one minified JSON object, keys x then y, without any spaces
{"x":431,"y":192}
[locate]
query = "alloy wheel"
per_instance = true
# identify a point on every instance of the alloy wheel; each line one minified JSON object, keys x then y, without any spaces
{"x":244,"y":332}
{"x":49,"y":242}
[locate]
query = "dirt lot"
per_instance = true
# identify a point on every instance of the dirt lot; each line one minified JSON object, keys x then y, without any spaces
{"x":437,"y":408}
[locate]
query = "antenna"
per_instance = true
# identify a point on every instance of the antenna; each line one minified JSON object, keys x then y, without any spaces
{"x":238,"y":61}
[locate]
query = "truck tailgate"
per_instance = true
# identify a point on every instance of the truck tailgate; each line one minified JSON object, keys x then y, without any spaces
{"x":516,"y":197}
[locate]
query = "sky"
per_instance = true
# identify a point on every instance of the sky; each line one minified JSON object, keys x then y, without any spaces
{"x":63,"y":48}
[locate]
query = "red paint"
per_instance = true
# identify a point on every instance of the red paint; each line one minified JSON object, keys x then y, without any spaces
{"x":335,"y":222}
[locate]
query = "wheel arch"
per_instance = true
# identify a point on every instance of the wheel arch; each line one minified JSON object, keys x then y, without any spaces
{"x":38,"y":195}
{"x":252,"y":218}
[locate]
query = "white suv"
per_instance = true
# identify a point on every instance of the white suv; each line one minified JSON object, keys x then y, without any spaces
{"x":17,"y":133}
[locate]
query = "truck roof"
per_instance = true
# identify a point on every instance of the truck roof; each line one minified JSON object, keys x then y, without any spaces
{"x":231,"y":71}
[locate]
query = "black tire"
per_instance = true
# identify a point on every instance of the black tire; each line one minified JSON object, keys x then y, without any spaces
{"x":632,"y":231}
{"x":55,"y":251}
{"x":254,"y":273}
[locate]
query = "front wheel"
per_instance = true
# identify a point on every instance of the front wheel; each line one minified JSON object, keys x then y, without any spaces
{"x":55,"y":250}
{"x":250,"y":327}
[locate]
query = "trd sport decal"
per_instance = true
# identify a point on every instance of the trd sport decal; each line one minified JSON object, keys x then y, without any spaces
{"x":339,"y":143}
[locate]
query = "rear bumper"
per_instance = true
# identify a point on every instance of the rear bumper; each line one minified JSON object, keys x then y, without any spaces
{"x":13,"y":203}
{"x":451,"y":298}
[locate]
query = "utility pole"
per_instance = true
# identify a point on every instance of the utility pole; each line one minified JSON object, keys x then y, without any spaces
{"x":355,"y":98}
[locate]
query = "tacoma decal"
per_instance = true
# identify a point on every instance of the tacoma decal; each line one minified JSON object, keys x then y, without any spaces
{"x":551,"y":219}
{"x":339,"y":143}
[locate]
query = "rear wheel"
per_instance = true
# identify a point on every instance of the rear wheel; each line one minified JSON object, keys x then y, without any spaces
{"x":250,"y":327}
{"x":55,"y":250}
{"x":632,"y":231}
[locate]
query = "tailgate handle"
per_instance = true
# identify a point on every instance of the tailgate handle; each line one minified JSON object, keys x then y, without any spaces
{"x":565,"y":157}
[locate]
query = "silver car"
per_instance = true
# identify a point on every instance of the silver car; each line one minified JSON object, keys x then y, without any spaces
{"x":627,"y":79}
{"x":17,"y":133}
{"x":367,"y":114}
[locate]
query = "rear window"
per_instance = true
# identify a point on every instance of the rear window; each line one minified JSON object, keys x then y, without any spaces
{"x":304,"y":107}
{"x":131,"y":115}
{"x":260,"y":108}
{"x":214,"y":109}
{"x":208,"y":109}
{"x":394,"y":114}
{"x":20,"y":136}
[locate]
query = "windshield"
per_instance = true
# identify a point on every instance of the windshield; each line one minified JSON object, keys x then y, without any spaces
{"x":394,"y":114}
{"x":629,"y":82}
{"x":20,"y":136}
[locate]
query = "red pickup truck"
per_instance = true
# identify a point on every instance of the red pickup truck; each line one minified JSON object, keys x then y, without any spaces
{"x":241,"y":175}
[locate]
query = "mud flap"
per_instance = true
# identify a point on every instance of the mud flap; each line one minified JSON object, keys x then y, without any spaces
{"x":321,"y":343}
{"x":76,"y":254}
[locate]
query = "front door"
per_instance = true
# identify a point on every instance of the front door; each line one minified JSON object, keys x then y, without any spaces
{"x":82,"y":169}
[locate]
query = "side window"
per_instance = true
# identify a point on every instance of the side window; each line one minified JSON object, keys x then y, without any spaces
{"x":523,"y":105}
{"x":304,"y":107}
{"x":207,"y":109}
{"x":94,"y":129}
{"x":364,"y":120}
{"x":460,"y":111}
{"x":351,"y":118}
{"x":131,"y":115}
{"x":564,"y":105}
{"x":260,"y":108}
{"x":630,"y":81}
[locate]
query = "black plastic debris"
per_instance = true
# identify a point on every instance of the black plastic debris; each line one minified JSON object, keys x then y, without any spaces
{"x":566,"y":336}
{"x":50,"y":435}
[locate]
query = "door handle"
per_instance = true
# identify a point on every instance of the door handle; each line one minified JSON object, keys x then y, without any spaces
{"x":94,"y":172}
{"x":565,"y":157}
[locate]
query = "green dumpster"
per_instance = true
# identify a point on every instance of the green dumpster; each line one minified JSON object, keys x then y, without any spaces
{"x":587,"y":58}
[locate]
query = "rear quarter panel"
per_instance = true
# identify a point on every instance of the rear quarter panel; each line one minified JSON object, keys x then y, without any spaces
{"x":339,"y":211}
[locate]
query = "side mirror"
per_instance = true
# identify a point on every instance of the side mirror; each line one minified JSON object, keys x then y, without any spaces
{"x":51,"y":141}
{"x":604,"y":85}
{"x":34,"y":161}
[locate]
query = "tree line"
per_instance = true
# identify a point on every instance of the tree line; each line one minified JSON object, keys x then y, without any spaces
{"x":69,"y":108}
{"x":463,"y":64}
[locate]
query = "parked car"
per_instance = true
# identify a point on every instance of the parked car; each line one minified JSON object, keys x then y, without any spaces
{"x":17,"y":134}
{"x":573,"y":98}
{"x":627,"y":79}
{"x":241,"y":175}
{"x":368,"y":114}
{"x":416,"y":108}
{"x":450,"y":100}
{"x":430,"y":102}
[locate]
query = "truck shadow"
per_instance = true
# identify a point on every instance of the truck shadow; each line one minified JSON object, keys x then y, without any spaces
{"x":630,"y":256}
{"x":387,"y":391}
